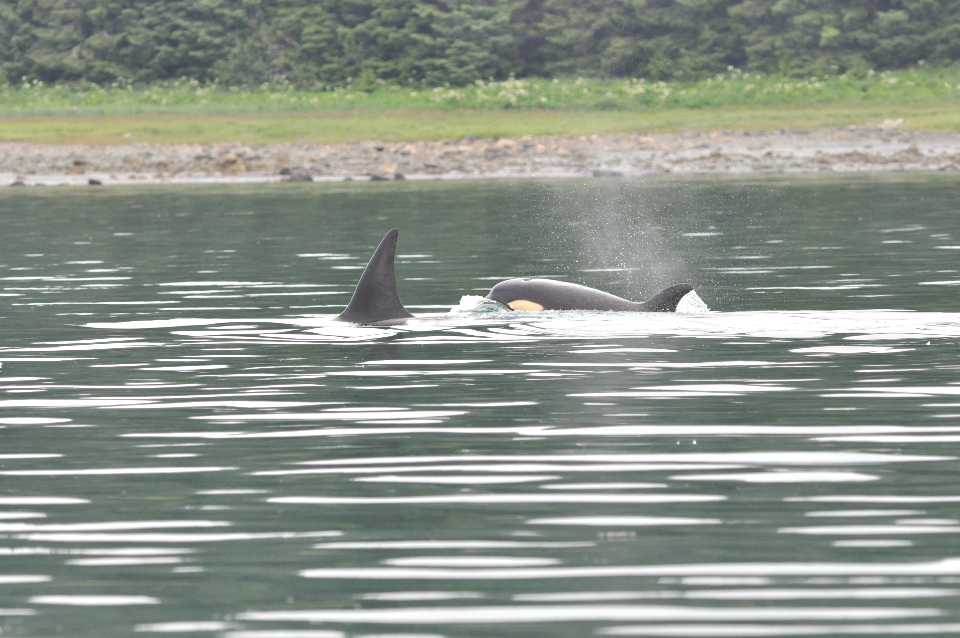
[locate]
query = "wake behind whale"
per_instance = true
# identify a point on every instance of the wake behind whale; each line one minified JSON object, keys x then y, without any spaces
{"x":376,"y":301}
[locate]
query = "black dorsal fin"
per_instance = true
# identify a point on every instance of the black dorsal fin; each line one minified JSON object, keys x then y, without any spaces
{"x":666,"y":300}
{"x":375,"y":299}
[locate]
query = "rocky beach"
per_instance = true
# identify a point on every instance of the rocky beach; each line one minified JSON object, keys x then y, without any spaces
{"x":873,"y":148}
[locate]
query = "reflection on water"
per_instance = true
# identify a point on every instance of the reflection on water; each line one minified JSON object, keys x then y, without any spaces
{"x":191,"y":445}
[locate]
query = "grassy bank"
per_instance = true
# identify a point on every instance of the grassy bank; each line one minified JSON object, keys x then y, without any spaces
{"x":428,"y":125}
{"x":185,"y":111}
{"x":725,"y":90}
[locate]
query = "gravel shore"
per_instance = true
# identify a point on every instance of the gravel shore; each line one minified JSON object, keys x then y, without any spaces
{"x":883,"y":147}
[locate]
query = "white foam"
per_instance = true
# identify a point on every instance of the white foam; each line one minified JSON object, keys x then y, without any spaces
{"x":93,"y":601}
{"x":31,"y":420}
{"x":124,"y":561}
{"x":23,"y":579}
{"x":577,"y":613}
{"x":476,"y":303}
{"x":624,"y":521}
{"x":469,"y":479}
{"x":470,"y":561}
{"x":186,"y":626}
{"x":692,"y":304}
{"x":408,"y":596}
{"x":459,"y":544}
{"x":748,"y":631}
{"x":42,"y":500}
{"x":497,"y":499}
{"x":835,"y":476}
{"x":164,"y":537}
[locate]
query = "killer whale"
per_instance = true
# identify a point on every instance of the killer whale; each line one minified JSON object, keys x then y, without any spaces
{"x":549,"y":294}
{"x":376,"y":301}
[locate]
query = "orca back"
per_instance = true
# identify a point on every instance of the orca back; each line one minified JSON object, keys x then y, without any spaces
{"x":375,"y":299}
{"x":548,"y":294}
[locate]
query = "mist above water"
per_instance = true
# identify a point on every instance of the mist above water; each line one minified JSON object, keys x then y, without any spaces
{"x":620,"y":240}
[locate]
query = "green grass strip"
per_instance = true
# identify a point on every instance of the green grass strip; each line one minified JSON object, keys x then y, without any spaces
{"x":423,"y":124}
{"x":731,"y":89}
{"x":187,"y":111}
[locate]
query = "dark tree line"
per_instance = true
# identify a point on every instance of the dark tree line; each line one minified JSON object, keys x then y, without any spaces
{"x":332,"y":42}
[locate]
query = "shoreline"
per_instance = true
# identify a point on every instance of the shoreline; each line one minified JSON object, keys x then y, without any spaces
{"x":853,"y":149}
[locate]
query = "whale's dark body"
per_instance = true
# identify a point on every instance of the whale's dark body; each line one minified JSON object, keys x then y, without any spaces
{"x":548,"y":294}
{"x":375,"y":300}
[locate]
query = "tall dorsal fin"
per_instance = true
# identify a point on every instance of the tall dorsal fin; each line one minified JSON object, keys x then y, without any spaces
{"x":375,"y":299}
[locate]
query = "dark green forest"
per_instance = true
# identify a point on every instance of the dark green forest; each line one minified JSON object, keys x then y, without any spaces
{"x":334,"y":42}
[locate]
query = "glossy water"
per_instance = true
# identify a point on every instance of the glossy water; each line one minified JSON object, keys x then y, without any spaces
{"x":191,"y":446}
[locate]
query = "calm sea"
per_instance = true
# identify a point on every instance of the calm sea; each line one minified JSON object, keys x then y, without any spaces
{"x":189,"y":445}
